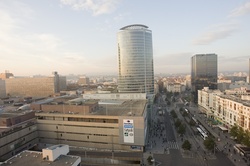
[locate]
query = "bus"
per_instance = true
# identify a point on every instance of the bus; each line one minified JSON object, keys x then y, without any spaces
{"x":203,"y":129}
{"x":202,"y":134}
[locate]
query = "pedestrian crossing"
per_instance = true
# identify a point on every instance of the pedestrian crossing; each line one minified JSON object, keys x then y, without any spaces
{"x":172,"y":145}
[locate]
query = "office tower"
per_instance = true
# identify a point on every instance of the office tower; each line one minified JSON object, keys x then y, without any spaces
{"x":135,"y":56}
{"x":203,"y":72}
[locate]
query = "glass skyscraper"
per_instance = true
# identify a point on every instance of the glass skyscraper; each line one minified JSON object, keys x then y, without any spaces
{"x":135,"y":56}
{"x":204,"y":72}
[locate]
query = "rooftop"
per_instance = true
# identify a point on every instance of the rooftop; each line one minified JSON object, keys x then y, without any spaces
{"x":122,"y":108}
{"x":14,"y":113}
{"x":31,"y":158}
{"x":236,"y":99}
{"x":134,"y":26}
{"x":110,"y":107}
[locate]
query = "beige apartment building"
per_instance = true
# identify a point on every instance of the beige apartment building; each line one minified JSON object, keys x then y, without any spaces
{"x":175,"y":87}
{"x":229,"y":110}
{"x":207,"y":100}
{"x":35,"y":86}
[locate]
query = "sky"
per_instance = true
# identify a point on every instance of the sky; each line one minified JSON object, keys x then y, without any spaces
{"x":80,"y":36}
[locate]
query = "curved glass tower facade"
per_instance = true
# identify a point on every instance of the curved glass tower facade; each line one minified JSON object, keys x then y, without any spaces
{"x":135,"y":56}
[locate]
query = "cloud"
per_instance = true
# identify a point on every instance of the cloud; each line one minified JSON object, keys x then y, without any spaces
{"x":217,"y":32}
{"x":241,"y":10}
{"x":74,"y":58}
{"x":173,"y":59}
{"x":239,"y":63}
{"x":21,"y":50}
{"x":7,"y":22}
{"x":97,"y":7}
{"x":47,"y":41}
{"x":120,"y":17}
{"x":234,"y":59}
{"x":173,"y":63}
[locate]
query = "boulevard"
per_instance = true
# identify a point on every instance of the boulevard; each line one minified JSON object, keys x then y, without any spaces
{"x":164,"y":143}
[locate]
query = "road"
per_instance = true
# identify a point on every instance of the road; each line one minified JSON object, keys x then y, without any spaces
{"x":166,"y":143}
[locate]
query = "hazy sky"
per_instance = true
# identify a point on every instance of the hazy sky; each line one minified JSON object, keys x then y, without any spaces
{"x":80,"y":36}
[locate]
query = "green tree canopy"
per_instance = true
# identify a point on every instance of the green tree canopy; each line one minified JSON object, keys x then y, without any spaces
{"x":186,"y":145}
{"x":209,"y":143}
{"x":184,"y":114}
{"x":181,"y":129}
{"x":240,"y":135}
{"x":191,"y":122}
{"x":246,"y":139}
{"x":234,"y":131}
{"x":174,"y":115}
{"x":177,"y":123}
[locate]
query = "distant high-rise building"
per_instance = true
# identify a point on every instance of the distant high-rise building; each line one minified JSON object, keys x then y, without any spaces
{"x":204,"y":71}
{"x":6,"y":75}
{"x":83,"y":81}
{"x":2,"y":89}
{"x":135,"y":56}
{"x":249,"y":72}
{"x":35,"y":86}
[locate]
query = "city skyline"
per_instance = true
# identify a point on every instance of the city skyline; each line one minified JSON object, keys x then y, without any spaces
{"x":79,"y":37}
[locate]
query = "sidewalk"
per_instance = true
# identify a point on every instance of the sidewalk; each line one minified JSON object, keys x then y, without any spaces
{"x":156,"y":144}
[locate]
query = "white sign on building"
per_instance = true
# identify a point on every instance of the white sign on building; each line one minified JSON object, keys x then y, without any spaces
{"x":128,"y":130}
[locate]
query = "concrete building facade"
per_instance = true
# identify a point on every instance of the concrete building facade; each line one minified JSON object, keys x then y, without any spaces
{"x":115,"y":123}
{"x":18,"y":132}
{"x":35,"y":86}
{"x":106,"y":122}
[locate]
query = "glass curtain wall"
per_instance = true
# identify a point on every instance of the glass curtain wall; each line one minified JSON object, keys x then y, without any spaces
{"x":135,"y":56}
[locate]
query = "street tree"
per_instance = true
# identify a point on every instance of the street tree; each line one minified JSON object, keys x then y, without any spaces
{"x":150,"y":160}
{"x":240,"y":135}
{"x":174,"y":115}
{"x":177,"y":123}
{"x":246,"y":139}
{"x":184,"y":114}
{"x":209,"y":143}
{"x":186,"y":145}
{"x":191,"y":122}
{"x":234,"y":131}
{"x":181,"y":129}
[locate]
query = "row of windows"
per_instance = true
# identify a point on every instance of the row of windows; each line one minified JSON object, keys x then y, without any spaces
{"x":79,"y":119}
